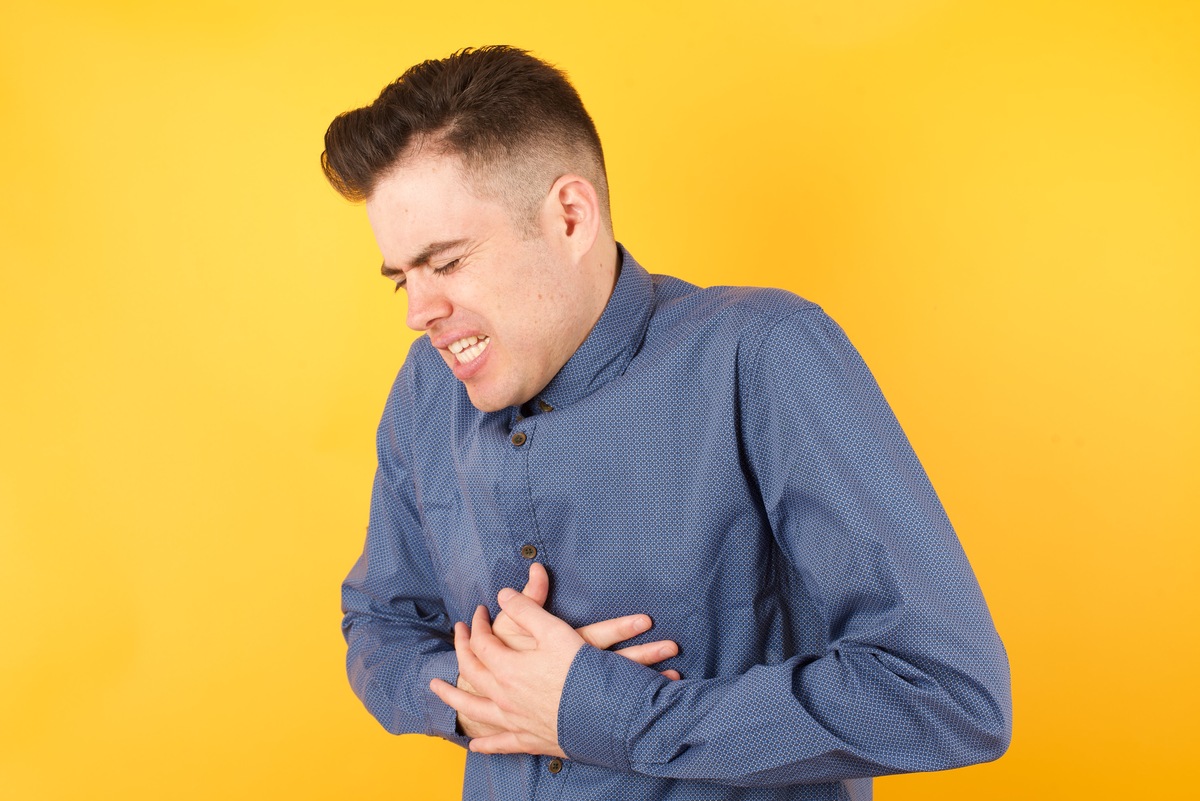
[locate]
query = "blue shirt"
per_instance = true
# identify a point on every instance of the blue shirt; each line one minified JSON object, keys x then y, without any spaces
{"x":719,"y":459}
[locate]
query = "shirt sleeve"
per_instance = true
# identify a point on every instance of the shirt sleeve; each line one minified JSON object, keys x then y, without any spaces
{"x":912,"y":675}
{"x":398,"y":634}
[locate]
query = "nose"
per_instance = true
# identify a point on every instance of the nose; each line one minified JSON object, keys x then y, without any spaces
{"x":426,"y":302}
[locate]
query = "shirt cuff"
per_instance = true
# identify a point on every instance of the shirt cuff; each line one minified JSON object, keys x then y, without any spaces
{"x":440,"y":719}
{"x":602,"y":692}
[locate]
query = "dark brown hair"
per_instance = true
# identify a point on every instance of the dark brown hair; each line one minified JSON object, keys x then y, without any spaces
{"x":514,"y":120}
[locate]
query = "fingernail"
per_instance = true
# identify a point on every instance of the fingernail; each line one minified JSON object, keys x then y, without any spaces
{"x":506,"y":593}
{"x":642,"y":622}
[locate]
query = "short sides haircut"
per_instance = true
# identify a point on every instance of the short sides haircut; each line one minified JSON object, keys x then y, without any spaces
{"x":515,"y":121}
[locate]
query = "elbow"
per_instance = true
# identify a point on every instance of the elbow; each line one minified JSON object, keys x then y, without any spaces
{"x":957,"y":738}
{"x":989,"y":739}
{"x":961,"y":716}
{"x":995,"y":731}
{"x":976,"y":697}
{"x":980,"y":727}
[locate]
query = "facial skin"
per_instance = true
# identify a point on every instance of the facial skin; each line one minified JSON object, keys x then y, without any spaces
{"x":529,"y":298}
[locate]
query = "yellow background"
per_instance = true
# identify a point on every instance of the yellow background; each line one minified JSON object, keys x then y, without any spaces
{"x":997,"y":200}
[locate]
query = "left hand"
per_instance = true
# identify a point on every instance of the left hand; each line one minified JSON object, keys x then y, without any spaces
{"x":519,"y":690}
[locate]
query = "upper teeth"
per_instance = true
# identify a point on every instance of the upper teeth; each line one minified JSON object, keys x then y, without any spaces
{"x":463,"y":344}
{"x":467,"y":348}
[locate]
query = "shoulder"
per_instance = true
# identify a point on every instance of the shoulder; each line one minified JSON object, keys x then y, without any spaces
{"x":744,"y":314}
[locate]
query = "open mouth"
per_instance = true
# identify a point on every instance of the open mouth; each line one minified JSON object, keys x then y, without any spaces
{"x":468,"y":349}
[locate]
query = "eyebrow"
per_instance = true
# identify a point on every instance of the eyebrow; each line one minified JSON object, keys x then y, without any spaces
{"x":422,"y":258}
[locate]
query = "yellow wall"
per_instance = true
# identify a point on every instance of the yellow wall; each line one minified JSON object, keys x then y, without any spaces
{"x":998,"y":200}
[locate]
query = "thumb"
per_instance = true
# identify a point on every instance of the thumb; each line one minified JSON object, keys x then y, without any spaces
{"x":538,"y":586}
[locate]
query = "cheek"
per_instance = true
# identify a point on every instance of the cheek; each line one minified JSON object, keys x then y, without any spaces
{"x":533,"y":308}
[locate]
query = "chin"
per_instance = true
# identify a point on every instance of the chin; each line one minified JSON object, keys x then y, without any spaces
{"x":486,"y":403}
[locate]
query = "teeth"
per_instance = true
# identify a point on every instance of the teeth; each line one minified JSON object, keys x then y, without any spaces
{"x":463,"y":344}
{"x":468,"y":349}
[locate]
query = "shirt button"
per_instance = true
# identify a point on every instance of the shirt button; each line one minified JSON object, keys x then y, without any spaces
{"x":528,"y":551}
{"x":518,"y":438}
{"x":555,"y":765}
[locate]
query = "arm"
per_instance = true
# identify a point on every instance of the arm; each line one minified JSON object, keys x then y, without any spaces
{"x":912,"y":675}
{"x":397,"y":630}
{"x":393,"y":647}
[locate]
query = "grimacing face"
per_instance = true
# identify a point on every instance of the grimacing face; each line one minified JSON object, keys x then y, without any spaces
{"x":504,"y":306}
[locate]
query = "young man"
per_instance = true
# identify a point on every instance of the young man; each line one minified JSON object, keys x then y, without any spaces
{"x":715,"y":464}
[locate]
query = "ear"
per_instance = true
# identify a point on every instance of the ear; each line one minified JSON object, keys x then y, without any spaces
{"x":574,"y":208}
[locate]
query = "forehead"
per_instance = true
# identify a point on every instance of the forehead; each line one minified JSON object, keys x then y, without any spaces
{"x":428,"y":199}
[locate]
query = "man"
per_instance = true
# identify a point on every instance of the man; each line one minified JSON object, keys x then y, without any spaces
{"x":715,"y":464}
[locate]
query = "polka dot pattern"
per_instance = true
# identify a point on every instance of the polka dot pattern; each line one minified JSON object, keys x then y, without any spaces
{"x":721,"y":460}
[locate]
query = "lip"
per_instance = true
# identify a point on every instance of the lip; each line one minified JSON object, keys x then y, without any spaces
{"x":443,"y":341}
{"x":463,"y":372}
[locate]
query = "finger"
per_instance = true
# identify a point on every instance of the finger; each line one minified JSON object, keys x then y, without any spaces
{"x":475,"y":707}
{"x":481,"y":620}
{"x":469,"y":665}
{"x":481,"y":623}
{"x":673,"y":675}
{"x":528,"y":615}
{"x":501,"y":743}
{"x":485,"y":645}
{"x":651,"y":652}
{"x":538,"y":586}
{"x":514,"y":743}
{"x":607,"y":633}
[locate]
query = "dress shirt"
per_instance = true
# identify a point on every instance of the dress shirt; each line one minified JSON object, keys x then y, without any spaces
{"x":722,"y":460}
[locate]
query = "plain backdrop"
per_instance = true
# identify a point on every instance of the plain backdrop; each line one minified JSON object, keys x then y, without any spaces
{"x":997,"y":200}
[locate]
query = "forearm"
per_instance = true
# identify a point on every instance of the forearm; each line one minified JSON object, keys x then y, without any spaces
{"x":390,"y":664}
{"x":886,"y":659}
{"x":397,"y":631}
{"x":855,"y":712}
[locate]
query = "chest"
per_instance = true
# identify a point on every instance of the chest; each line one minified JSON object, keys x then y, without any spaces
{"x":636,"y":499}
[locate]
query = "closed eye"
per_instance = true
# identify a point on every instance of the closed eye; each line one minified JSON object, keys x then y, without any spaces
{"x":448,"y":267}
{"x":401,"y":281}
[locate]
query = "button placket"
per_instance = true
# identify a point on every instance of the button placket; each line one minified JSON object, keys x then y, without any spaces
{"x":515,"y":505}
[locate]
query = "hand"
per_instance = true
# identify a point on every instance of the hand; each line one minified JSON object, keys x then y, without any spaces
{"x":602,"y":635}
{"x":519,"y":691}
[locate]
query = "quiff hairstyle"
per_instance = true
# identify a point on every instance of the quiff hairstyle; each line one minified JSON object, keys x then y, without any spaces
{"x":515,"y":122}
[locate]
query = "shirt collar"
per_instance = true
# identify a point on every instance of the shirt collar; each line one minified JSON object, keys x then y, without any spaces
{"x":613,"y":341}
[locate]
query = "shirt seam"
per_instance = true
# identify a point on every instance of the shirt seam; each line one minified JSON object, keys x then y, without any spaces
{"x":756,"y":372}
